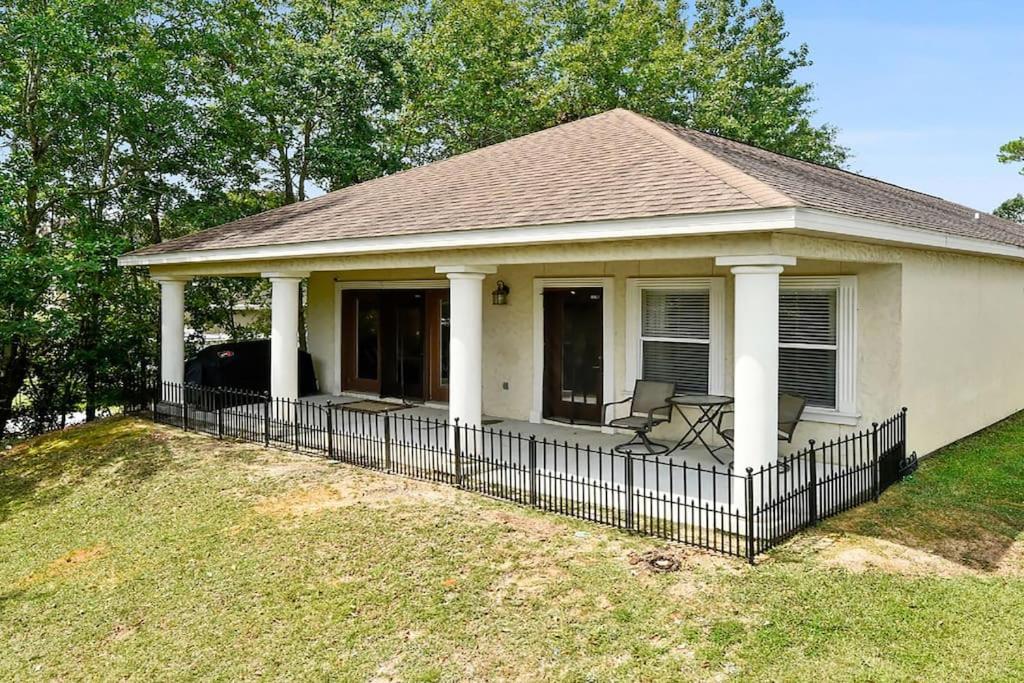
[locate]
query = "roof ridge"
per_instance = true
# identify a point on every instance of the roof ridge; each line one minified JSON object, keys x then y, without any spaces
{"x":756,"y":190}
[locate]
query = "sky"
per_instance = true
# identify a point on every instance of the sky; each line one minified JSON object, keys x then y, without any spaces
{"x":923,"y":93}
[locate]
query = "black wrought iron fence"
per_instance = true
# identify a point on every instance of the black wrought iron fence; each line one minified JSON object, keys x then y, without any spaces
{"x":714,"y":508}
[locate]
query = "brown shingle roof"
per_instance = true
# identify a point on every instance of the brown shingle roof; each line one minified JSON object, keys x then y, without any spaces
{"x":614,"y":165}
{"x":842,"y":192}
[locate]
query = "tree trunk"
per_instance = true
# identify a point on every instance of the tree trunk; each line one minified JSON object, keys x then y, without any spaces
{"x":302,"y":319}
{"x":90,"y":341}
{"x":12,"y":378}
{"x":154,"y":221}
{"x":286,"y":174}
{"x":307,"y":130}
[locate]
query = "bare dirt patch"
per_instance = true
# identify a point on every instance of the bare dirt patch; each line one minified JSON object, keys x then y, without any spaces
{"x":350,"y":491}
{"x":681,"y":558}
{"x":1012,"y":563}
{"x":64,"y":565}
{"x":308,"y":500}
{"x":859,"y":554}
{"x":526,"y":582}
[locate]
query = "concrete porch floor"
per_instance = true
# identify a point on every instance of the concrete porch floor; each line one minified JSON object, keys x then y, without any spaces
{"x":593,"y":437}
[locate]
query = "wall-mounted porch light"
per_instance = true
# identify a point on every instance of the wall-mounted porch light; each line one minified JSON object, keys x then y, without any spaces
{"x":499,"y":297}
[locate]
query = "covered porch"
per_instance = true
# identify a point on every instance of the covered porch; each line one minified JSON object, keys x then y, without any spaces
{"x":541,"y":344}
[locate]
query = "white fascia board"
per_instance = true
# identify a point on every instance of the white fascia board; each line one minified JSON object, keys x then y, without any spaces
{"x":757,"y":220}
{"x":814,"y":221}
{"x":865,"y":230}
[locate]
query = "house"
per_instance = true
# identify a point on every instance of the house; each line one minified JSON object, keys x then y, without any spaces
{"x":538,"y":278}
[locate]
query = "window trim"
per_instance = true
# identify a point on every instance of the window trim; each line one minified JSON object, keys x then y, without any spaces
{"x":715,"y":286}
{"x":845,"y":286}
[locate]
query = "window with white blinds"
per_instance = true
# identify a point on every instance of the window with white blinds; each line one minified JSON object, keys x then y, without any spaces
{"x":809,"y":344}
{"x":675,"y":337}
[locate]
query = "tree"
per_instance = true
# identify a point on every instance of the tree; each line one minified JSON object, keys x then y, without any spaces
{"x":1013,"y":208}
{"x":308,"y":89}
{"x":489,"y":70}
{"x":477,"y":77}
{"x":95,"y":119}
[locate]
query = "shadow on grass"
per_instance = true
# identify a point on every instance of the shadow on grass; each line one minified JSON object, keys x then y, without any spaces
{"x":40,"y":471}
{"x":965,"y":503}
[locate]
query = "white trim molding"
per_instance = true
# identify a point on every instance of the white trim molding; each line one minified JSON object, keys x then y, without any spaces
{"x":800,"y":220}
{"x":717,"y":335}
{"x":334,"y":367}
{"x":845,"y":412}
{"x":607,"y":285}
{"x":751,"y":220}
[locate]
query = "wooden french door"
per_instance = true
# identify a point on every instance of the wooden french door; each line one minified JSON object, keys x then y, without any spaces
{"x":360,"y":341}
{"x":573,"y":364}
{"x":403,"y":344}
{"x":438,"y":338}
{"x":395,"y":343}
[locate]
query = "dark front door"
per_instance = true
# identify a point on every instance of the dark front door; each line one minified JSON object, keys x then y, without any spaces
{"x":403,"y":344}
{"x":361,"y":322}
{"x":573,"y":340}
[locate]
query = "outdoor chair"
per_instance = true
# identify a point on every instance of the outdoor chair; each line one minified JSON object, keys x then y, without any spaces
{"x":648,"y":408}
{"x":791,"y":409}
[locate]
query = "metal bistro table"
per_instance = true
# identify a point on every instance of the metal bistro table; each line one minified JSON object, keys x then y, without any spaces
{"x":710,"y":407}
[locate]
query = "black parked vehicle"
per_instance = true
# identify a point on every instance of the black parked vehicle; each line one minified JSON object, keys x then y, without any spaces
{"x":242,"y":366}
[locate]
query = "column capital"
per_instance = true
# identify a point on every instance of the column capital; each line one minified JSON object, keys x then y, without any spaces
{"x":285,"y":274}
{"x":756,"y":270}
{"x":466,"y":270}
{"x":756,"y":261}
{"x":170,"y":278}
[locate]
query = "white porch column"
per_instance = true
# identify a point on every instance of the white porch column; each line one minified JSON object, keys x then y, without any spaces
{"x":284,"y":333}
{"x":172,"y":327}
{"x":464,"y":374}
{"x":756,"y":357}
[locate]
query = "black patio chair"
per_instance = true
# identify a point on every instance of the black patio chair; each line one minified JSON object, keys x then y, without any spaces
{"x":791,"y":409}
{"x":648,"y":408}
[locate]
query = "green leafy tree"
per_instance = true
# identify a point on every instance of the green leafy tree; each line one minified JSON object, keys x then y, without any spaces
{"x":94,"y":128}
{"x":477,"y":77}
{"x":489,"y":70}
{"x":308,"y":89}
{"x":1013,"y":208}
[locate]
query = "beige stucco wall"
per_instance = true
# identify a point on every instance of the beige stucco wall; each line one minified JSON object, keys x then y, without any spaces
{"x":508,"y":330}
{"x":960,"y":336}
{"x":938,"y":332}
{"x":963,"y":344}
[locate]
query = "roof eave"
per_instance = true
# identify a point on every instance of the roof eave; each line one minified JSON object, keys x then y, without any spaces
{"x":812,"y":221}
{"x":751,"y":220}
{"x":829,"y":223}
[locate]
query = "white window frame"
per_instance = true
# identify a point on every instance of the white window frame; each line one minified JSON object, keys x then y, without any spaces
{"x":845,"y":347}
{"x":716,"y":331}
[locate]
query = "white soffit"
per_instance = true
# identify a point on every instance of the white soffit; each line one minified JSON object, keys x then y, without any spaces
{"x":798,"y":219}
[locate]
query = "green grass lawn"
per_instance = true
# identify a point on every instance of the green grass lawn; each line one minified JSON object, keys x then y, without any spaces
{"x":136,"y":551}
